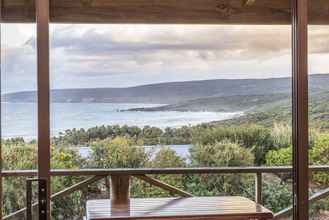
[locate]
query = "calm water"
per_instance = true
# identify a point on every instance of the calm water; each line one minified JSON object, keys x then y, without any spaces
{"x":20,"y":119}
{"x":182,"y":150}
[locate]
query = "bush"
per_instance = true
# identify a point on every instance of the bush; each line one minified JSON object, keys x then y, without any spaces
{"x":255,"y":137}
{"x":279,"y":157}
{"x":223,"y":153}
{"x":73,"y":204}
{"x":21,"y":155}
{"x":119,"y":152}
{"x":319,"y":155}
{"x":281,"y":135}
{"x":165,"y":157}
{"x":277,"y":195}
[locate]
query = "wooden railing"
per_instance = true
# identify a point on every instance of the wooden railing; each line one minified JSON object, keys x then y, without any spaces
{"x":143,"y":174}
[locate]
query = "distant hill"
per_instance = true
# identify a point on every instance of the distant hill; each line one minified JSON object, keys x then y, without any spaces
{"x":179,"y":94}
{"x":282,"y":112}
{"x":246,"y":103}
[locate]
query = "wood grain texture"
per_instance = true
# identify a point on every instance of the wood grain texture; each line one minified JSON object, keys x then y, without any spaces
{"x":120,"y":190}
{"x":76,"y":187}
{"x":164,"y":186}
{"x":150,"y":171}
{"x":153,"y":11}
{"x":219,"y":208}
{"x":43,"y":91}
{"x":165,"y":11}
{"x":300,"y":126}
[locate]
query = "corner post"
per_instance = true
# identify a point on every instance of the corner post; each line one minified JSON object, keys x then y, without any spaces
{"x":300,"y":109}
{"x":42,"y":20}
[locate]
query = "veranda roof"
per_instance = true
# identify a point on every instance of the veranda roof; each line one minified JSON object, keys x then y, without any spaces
{"x":165,"y":11}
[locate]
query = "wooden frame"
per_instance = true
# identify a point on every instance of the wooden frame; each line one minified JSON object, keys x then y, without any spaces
{"x":300,"y":109}
{"x":172,"y":11}
{"x":99,"y":174}
{"x":42,"y":19}
{"x":165,"y":11}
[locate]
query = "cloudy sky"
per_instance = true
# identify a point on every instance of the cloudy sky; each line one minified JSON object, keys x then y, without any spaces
{"x":128,"y":55}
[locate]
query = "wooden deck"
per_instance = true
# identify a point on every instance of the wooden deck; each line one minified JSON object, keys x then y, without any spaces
{"x":196,"y":208}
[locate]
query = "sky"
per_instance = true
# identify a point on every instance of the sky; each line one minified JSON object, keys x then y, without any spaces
{"x":89,"y":56}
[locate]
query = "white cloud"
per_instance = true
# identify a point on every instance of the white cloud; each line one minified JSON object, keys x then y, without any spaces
{"x":127,"y":55}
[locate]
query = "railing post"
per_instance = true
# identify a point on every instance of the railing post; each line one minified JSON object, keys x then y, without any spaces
{"x":29,"y":199}
{"x":107,"y":186}
{"x":42,"y":198}
{"x":120,"y":191}
{"x":258,"y":188}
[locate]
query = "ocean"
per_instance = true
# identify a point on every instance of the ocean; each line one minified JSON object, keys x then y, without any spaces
{"x":182,"y":150}
{"x":20,"y":119}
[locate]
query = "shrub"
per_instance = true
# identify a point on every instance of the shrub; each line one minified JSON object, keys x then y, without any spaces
{"x":255,"y":137}
{"x":279,"y":157}
{"x":277,"y":195}
{"x":319,"y":155}
{"x":21,"y":155}
{"x":281,"y":135}
{"x":119,"y":152}
{"x":165,"y":157}
{"x":223,"y":153}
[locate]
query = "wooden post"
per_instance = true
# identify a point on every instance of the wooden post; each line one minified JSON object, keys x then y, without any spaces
{"x":42,"y":18}
{"x":120,"y":191}
{"x":107,"y":186}
{"x":300,"y":109}
{"x":258,"y":188}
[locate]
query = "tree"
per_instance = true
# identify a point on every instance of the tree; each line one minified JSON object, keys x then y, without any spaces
{"x":21,"y":155}
{"x":165,"y":157}
{"x":224,"y":153}
{"x":119,"y":152}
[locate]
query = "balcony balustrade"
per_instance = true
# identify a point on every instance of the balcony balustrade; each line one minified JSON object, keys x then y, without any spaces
{"x":120,"y":181}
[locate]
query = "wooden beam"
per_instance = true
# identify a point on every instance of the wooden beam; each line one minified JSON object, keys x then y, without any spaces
{"x":163,"y":185}
{"x":165,"y":11}
{"x":158,"y":11}
{"x":168,"y":171}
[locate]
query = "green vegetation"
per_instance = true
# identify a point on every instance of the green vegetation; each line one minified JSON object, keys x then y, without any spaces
{"x":20,"y":155}
{"x":149,"y":135}
{"x":259,"y":137}
{"x":213,"y":145}
{"x":118,"y":152}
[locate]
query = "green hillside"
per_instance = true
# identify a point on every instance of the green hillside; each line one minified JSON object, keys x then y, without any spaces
{"x":245,"y":103}
{"x":281,"y":112}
